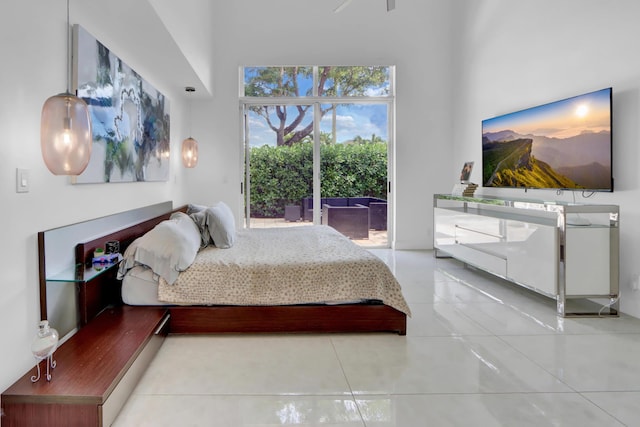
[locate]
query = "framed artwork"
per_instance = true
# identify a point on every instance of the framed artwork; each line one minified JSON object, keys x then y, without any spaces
{"x":129,"y":117}
{"x":465,"y":174}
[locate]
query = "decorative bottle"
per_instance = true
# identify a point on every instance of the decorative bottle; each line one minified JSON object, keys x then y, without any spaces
{"x":43,"y":346}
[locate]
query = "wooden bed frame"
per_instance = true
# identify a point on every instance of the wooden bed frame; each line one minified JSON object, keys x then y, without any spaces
{"x":257,"y":319}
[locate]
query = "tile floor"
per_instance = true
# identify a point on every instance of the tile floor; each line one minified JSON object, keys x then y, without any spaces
{"x":478,"y":352}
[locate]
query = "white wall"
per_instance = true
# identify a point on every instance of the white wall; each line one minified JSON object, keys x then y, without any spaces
{"x":414,"y":38}
{"x":33,"y":48}
{"x":518,"y":54}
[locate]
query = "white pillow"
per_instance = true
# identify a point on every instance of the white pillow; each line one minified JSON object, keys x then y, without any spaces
{"x":169,"y":248}
{"x":222,"y":225}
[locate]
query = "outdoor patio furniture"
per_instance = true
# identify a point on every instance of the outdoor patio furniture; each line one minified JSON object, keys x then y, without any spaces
{"x":377,"y":208}
{"x":378,"y":215}
{"x":352,"y":221}
{"x":307,"y":209}
{"x":292,"y":213}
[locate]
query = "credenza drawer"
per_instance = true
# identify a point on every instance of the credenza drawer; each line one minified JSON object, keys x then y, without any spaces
{"x":479,"y":255}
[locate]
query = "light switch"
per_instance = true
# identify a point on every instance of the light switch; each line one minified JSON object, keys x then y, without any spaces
{"x":22,"y":180}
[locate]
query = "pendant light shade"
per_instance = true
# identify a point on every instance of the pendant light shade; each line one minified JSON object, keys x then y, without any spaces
{"x":190,"y":153}
{"x":65,"y":128}
{"x":190,"y":145}
{"x":65,"y":134}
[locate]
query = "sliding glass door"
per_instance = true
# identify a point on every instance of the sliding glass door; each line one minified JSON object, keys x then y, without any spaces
{"x":317,"y":145}
{"x":278,"y":174}
{"x":354,"y":169}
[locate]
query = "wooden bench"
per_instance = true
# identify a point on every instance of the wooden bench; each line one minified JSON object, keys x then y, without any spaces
{"x":96,"y":370}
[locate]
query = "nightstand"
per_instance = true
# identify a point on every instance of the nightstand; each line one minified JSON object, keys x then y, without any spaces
{"x":97,"y":289}
{"x":96,"y":371}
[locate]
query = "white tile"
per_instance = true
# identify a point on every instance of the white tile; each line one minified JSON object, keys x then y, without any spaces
{"x":532,"y":318}
{"x":419,"y":293}
{"x":385,"y":364}
{"x":410,"y":266}
{"x":606,"y":325}
{"x":239,"y":411}
{"x":418,"y":290}
{"x":440,"y":320}
{"x":493,"y":287}
{"x":424,"y":276}
{"x":486,"y":410}
{"x":586,"y":362}
{"x":624,"y":406}
{"x":502,"y":318}
{"x":297,"y":364}
{"x":455,"y":292}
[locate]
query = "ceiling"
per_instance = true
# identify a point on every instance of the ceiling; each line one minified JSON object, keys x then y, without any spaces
{"x":153,"y":37}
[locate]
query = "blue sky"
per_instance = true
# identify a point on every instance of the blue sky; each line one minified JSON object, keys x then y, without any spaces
{"x":561,"y":119}
{"x":352,"y":120}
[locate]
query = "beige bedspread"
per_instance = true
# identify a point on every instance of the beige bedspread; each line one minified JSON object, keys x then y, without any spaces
{"x":297,"y":265}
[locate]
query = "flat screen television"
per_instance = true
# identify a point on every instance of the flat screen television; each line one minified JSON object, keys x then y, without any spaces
{"x":561,"y":145}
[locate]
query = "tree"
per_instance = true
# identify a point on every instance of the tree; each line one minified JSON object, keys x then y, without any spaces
{"x":376,"y":139}
{"x":325,"y":139}
{"x":286,"y":82}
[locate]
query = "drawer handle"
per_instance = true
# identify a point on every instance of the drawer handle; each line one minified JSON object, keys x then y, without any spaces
{"x":483,"y":250}
{"x":164,"y":322}
{"x":497,"y":236}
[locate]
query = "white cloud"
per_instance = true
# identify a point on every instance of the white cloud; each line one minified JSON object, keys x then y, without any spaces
{"x":257,"y":122}
{"x":376,"y":92}
{"x":342,"y":121}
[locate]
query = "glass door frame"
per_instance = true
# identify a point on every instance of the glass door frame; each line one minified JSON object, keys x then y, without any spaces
{"x":316,"y":101}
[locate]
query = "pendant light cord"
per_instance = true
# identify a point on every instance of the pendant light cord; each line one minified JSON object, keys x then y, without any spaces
{"x":68,"y":52}
{"x":189,"y":90}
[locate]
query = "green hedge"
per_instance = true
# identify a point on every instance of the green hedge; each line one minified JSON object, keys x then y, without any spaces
{"x":283,"y":175}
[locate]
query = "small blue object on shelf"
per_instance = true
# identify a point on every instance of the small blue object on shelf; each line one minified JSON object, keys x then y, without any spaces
{"x":105,"y":261}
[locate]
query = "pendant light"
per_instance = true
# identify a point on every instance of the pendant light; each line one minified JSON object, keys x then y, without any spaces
{"x":65,"y":128}
{"x":190,"y":145}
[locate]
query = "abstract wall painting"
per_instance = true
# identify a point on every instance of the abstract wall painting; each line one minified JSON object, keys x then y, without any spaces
{"x":129,"y":117}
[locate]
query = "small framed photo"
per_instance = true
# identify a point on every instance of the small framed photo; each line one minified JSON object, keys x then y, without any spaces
{"x":465,"y":174}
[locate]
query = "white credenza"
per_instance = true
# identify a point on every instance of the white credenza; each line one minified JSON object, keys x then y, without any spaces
{"x":566,"y":251}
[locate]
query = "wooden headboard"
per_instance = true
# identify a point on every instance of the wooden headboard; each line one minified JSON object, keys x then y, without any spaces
{"x":103,"y":290}
{"x":59,"y":258}
{"x":84,"y":250}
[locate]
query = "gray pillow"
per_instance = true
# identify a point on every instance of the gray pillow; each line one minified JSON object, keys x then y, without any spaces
{"x":169,"y":248}
{"x":222,"y":225}
{"x":200,"y":219}
{"x":191,"y":208}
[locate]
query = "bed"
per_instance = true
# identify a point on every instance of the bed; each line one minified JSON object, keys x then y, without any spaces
{"x":299,"y":279}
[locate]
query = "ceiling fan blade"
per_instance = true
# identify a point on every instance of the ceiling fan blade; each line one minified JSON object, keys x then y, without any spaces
{"x":344,"y":4}
{"x":391,"y":4}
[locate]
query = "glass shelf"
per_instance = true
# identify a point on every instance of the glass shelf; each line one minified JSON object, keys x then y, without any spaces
{"x":534,"y":207}
{"x":511,"y":201}
{"x":80,"y":274}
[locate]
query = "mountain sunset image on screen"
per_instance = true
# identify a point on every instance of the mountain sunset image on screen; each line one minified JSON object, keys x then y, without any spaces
{"x":561,"y":145}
